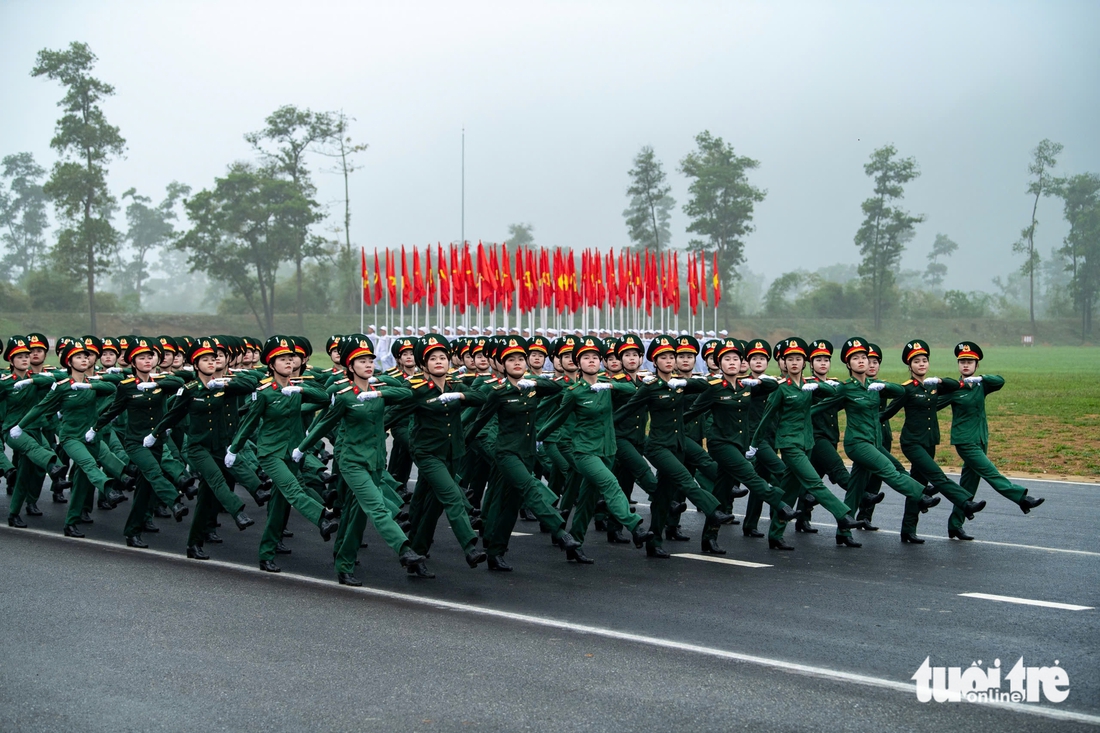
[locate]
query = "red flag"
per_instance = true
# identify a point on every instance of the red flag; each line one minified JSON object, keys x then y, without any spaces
{"x":612,"y":292}
{"x":444,"y":280}
{"x":693,"y":288}
{"x":717,"y":280}
{"x":377,"y":280}
{"x":391,"y":277}
{"x":365,"y":277}
{"x":703,"y":277}
{"x":430,"y":276}
{"x":469,"y":279}
{"x":675,"y":283}
{"x":530,"y":280}
{"x":559,"y":290}
{"x":418,"y":280}
{"x":406,"y":287}
{"x":507,"y":287}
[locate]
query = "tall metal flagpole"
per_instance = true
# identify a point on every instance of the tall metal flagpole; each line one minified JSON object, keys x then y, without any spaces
{"x":462,"y":239}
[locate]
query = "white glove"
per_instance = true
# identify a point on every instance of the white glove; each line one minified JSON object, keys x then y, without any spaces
{"x":372,"y":380}
{"x":750,"y":452}
{"x":217,"y":383}
{"x":649,"y":380}
{"x":149,"y":440}
{"x":538,"y":444}
{"x":230,"y":459}
{"x":525,"y":383}
{"x":676,"y":383}
{"x":21,"y":384}
{"x":809,"y":386}
{"x":600,"y":387}
{"x":143,"y":386}
{"x":832,"y":382}
{"x":460,"y":370}
{"x":973,"y":380}
{"x":750,"y":382}
{"x":80,"y":385}
{"x":931,"y":381}
{"x":296,"y":455}
{"x":450,"y":396}
{"x":364,"y":396}
{"x":16,"y":432}
{"x":113,"y":370}
{"x":876,"y":386}
{"x":293,"y":389}
{"x":89,"y":437}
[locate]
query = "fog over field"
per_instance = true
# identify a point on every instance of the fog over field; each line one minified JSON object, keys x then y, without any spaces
{"x":557,"y":98}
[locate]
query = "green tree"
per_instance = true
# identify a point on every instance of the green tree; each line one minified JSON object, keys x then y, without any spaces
{"x":651,"y":202}
{"x":721,"y":203}
{"x":521,"y":235}
{"x":22,"y":216}
{"x":342,"y":148}
{"x":150,"y":227}
{"x":886,"y":227}
{"x":1043,"y":159}
{"x":1080,"y":195}
{"x":776,"y":301}
{"x":289,"y":133}
{"x":943,"y":247}
{"x":87,"y":243}
{"x":242,"y":230}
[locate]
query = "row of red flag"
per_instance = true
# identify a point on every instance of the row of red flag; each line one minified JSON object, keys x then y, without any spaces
{"x":541,"y":279}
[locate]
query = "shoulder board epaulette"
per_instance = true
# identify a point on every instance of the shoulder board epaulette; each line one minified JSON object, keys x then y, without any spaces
{"x":345,"y":380}
{"x":500,"y":385}
{"x":346,"y":389}
{"x":620,"y":376}
{"x":265,"y":385}
{"x":714,"y":380}
{"x":128,"y":380}
{"x":416,"y":381}
{"x":306,"y":376}
{"x":266,"y":380}
{"x":6,"y":376}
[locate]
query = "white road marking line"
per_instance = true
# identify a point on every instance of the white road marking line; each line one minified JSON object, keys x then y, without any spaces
{"x":521,"y":534}
{"x":779,"y":664}
{"x":765,"y":518}
{"x":1027,"y":601}
{"x":1042,"y":480}
{"x":723,"y":560}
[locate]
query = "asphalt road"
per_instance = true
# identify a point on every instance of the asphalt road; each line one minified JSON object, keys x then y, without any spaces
{"x":102,"y":637}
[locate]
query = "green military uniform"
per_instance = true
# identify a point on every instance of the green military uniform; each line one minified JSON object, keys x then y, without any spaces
{"x":360,"y":454}
{"x":788,"y":412}
{"x":729,"y":403}
{"x":970,"y":436}
{"x":437,"y":450}
{"x":276,"y":414}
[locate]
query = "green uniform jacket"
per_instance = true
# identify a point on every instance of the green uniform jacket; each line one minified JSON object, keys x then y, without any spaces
{"x":593,"y":430}
{"x":205,"y":409}
{"x":730,"y":404}
{"x":361,"y":431}
{"x":549,"y":406}
{"x":436,"y":427}
{"x":863,"y":408}
{"x":788,"y":413}
{"x":630,"y":423}
{"x":921,"y":426}
{"x":77,"y":407}
{"x":281,"y":418}
{"x":514,"y":413}
{"x":144,"y":409}
{"x":18,"y":403}
{"x":968,"y":421}
{"x":666,"y":410}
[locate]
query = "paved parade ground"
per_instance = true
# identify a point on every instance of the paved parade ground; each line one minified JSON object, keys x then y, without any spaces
{"x":99,"y":637}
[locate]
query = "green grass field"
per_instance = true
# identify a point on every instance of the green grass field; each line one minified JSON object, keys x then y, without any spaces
{"x":1046,"y":419}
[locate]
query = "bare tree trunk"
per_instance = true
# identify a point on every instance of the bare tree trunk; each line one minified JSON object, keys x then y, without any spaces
{"x":1031,"y":259}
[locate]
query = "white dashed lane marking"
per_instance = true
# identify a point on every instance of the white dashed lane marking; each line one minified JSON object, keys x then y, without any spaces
{"x":1027,"y":601}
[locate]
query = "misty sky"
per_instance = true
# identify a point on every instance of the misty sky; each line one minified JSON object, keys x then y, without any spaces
{"x":557,"y":98}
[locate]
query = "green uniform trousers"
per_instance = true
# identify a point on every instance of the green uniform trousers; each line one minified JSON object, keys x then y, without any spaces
{"x":286,"y":493}
{"x":150,"y":481}
{"x":737,"y":469}
{"x":366,"y":501}
{"x":436,"y":492}
{"x":401,"y":460}
{"x":86,"y":467}
{"x":802,"y":478}
{"x":977,"y":466}
{"x":516,"y":486}
{"x":34,"y":458}
{"x":598,"y":481}
{"x":873,"y":461}
{"x":673,"y":479}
